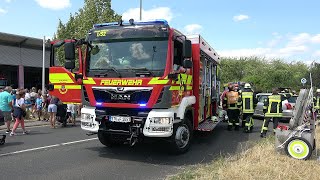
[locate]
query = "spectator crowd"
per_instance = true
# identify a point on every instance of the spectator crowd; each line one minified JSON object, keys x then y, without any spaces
{"x":19,"y":104}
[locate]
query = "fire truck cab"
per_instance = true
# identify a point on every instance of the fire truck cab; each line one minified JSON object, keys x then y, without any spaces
{"x":143,"y":79}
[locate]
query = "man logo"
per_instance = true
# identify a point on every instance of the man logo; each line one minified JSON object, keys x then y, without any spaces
{"x":120,"y":88}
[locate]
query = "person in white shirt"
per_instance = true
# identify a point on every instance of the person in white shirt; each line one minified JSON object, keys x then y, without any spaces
{"x":19,"y":113}
{"x":71,"y":111}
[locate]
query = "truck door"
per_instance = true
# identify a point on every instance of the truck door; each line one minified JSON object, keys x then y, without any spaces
{"x":65,"y":86}
{"x":205,"y":89}
{"x":208,"y":91}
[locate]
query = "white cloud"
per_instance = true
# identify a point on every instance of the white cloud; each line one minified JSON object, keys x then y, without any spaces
{"x":316,"y":53}
{"x":3,"y":11}
{"x":303,"y":38}
{"x":154,"y":13}
{"x":293,"y":49}
{"x":54,"y":4}
{"x":316,"y":38}
{"x":240,"y":17}
{"x":298,"y":46}
{"x":245,"y":52}
{"x":193,"y":29}
{"x":8,"y":1}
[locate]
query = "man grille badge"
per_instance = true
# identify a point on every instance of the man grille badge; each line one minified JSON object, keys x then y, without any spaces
{"x":120,"y":88}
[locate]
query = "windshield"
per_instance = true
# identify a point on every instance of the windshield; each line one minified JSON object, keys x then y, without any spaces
{"x":144,"y":54}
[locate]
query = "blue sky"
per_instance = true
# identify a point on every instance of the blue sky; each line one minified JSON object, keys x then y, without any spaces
{"x":287,"y":29}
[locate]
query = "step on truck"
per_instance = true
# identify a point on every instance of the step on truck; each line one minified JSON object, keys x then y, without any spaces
{"x":140,"y":79}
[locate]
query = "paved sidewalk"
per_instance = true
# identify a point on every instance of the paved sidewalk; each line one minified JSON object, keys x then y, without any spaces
{"x":33,"y":123}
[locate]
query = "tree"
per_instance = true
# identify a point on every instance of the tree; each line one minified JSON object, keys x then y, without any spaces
{"x":79,"y":24}
{"x":265,"y":74}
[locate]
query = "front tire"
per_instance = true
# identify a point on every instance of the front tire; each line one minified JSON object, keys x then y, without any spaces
{"x":105,"y":139}
{"x":181,"y":137}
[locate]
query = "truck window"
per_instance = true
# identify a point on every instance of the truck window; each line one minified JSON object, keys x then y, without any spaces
{"x":177,"y":57}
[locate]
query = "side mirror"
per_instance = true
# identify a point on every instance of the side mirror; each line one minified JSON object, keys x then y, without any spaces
{"x":187,"y":49}
{"x":187,"y":63}
{"x":69,"y":52}
{"x":78,"y":76}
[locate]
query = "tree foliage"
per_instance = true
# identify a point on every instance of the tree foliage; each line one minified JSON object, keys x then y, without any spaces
{"x":264,"y":74}
{"x":79,"y":24}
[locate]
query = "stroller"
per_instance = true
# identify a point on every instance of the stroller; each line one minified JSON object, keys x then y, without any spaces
{"x":2,"y":136}
{"x":62,"y":114}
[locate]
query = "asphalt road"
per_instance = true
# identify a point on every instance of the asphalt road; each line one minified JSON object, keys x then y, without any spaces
{"x":67,"y":153}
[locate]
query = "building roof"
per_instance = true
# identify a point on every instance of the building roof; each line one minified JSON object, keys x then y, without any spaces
{"x":21,"y":41}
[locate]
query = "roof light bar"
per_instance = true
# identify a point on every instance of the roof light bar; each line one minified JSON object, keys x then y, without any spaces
{"x":149,"y":22}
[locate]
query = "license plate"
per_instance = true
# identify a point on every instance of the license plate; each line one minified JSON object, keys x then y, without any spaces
{"x":121,"y":119}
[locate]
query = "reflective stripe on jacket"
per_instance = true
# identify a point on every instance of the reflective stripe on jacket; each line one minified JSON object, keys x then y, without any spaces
{"x":274,"y":106}
{"x":247,"y":102}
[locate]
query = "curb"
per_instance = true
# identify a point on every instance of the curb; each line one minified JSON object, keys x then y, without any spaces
{"x":31,"y":124}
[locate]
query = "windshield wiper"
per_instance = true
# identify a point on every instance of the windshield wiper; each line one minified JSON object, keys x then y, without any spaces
{"x":107,"y":69}
{"x":115,"y":70}
{"x":143,"y":69}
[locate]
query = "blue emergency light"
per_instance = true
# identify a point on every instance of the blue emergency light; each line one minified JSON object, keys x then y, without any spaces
{"x":142,"y":104}
{"x":132,"y":22}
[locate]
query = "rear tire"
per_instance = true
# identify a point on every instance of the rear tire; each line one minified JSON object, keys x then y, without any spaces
{"x":181,"y":137}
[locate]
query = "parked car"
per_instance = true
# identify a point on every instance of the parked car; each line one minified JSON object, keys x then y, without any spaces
{"x":287,"y":107}
{"x":258,"y":111}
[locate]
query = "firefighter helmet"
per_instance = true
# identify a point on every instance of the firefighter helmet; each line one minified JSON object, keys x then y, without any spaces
{"x":247,"y":86}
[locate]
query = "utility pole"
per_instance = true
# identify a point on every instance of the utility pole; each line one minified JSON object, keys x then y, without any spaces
{"x":140,"y":10}
{"x":43,"y":64}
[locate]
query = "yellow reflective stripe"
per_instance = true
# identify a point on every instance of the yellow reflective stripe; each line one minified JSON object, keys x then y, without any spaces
{"x":67,"y":86}
{"x":189,"y":80}
{"x":70,"y":103}
{"x":60,"y":78}
{"x":174,"y":88}
{"x":177,"y":88}
{"x":156,"y":80}
{"x":89,"y":81}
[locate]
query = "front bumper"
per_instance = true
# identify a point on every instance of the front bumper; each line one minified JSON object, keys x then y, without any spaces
{"x":143,"y":122}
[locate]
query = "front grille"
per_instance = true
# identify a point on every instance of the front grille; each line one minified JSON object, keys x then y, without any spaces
{"x":132,"y":96}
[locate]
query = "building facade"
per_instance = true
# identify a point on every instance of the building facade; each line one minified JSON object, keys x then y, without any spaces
{"x":21,"y":60}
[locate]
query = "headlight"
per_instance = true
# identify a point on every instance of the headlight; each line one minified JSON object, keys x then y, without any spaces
{"x":162,"y":120}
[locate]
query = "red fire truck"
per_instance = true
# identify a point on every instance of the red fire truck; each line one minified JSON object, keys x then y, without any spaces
{"x":140,"y":79}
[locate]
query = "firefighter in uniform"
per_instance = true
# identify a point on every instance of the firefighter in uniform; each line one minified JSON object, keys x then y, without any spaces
{"x":231,"y":103}
{"x":316,"y":102}
{"x":248,"y":102}
{"x":273,"y":110}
